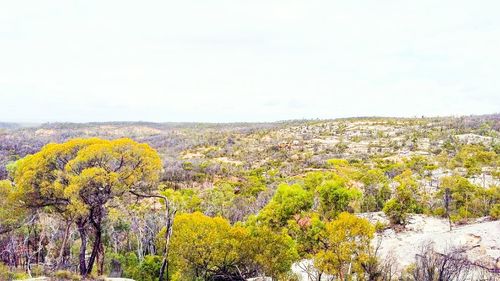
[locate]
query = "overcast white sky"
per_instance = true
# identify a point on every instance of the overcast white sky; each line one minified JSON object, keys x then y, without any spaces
{"x":247,"y":60}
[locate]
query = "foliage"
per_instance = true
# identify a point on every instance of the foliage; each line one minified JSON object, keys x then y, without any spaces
{"x":274,"y":261}
{"x":148,"y":269}
{"x":11,"y":214}
{"x":204,"y":247}
{"x":376,"y":190}
{"x":405,"y":199}
{"x":256,"y":185}
{"x":473,"y":158}
{"x":466,"y":200}
{"x":185,"y":200}
{"x":66,"y":275}
{"x":335,"y":197}
{"x":347,"y":246}
{"x":218,"y":200}
{"x":4,"y":272}
{"x":495,"y":212}
{"x":286,"y":202}
{"x":308,"y":231}
{"x":78,"y":178}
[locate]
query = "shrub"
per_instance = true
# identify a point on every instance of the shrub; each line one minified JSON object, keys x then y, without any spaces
{"x":7,"y":274}
{"x":495,"y":212}
{"x":149,"y":269}
{"x":395,"y":211}
{"x":380,"y":226}
{"x":19,"y":275}
{"x":37,"y":270}
{"x":61,"y":275}
{"x":4,"y":272}
{"x":290,"y":276}
{"x":439,"y":211}
{"x":127,"y":263}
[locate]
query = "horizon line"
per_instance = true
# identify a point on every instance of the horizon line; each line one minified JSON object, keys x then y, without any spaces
{"x":247,"y":122}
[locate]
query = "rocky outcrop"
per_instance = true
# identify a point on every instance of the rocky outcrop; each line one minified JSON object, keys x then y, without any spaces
{"x":480,"y":239}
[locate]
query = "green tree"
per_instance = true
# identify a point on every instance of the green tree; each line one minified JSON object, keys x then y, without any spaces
{"x":474,"y":158}
{"x":405,"y":199}
{"x":286,"y":202}
{"x":308,"y":231}
{"x":463,"y":195}
{"x":216,"y":201}
{"x":203,"y":247}
{"x":376,"y":190}
{"x":335,"y":197}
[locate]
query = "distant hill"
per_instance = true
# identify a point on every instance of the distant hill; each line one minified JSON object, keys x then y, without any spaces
{"x":4,"y":125}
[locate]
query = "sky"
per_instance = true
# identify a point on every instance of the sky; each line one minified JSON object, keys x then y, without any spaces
{"x":234,"y":60}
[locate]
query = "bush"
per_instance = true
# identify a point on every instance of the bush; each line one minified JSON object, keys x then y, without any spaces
{"x":380,"y":226}
{"x":128,"y":262}
{"x":19,"y":275}
{"x":290,"y":276}
{"x":37,"y":270}
{"x":4,"y":272}
{"x":395,"y":211}
{"x":62,"y":275}
{"x":149,"y":269}
{"x":495,"y":212}
{"x":439,"y":211}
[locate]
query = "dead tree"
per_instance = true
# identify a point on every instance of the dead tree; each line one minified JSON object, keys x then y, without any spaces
{"x":452,"y":265}
{"x":170,"y":211}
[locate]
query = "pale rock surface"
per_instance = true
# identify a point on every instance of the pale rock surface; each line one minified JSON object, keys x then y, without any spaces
{"x":482,"y":239}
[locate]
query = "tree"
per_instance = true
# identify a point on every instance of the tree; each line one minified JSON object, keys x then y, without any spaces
{"x":273,"y":252}
{"x":308,"y":231}
{"x":218,"y":200}
{"x":405,"y":199}
{"x":474,"y":158}
{"x":452,"y":264}
{"x":376,"y":190}
{"x":335,"y":197}
{"x":204,"y":247}
{"x":419,"y":164}
{"x":11,"y":215}
{"x":334,"y":190}
{"x":347,"y":246}
{"x":212,"y":249}
{"x":462,"y":193}
{"x":286,"y":202}
{"x":81,"y":176}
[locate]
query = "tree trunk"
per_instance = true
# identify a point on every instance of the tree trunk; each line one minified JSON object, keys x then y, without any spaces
{"x":63,"y":246}
{"x":95,"y":248}
{"x":100,"y":262}
{"x":83,"y":247}
{"x":169,"y":216}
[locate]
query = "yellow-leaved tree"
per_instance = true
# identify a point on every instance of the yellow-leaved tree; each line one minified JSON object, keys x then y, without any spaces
{"x":347,"y":246}
{"x":79,"y":177}
{"x":207,"y":248}
{"x":11,"y":215}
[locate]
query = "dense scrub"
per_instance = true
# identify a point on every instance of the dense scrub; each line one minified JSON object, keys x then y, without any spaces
{"x":235,"y":201}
